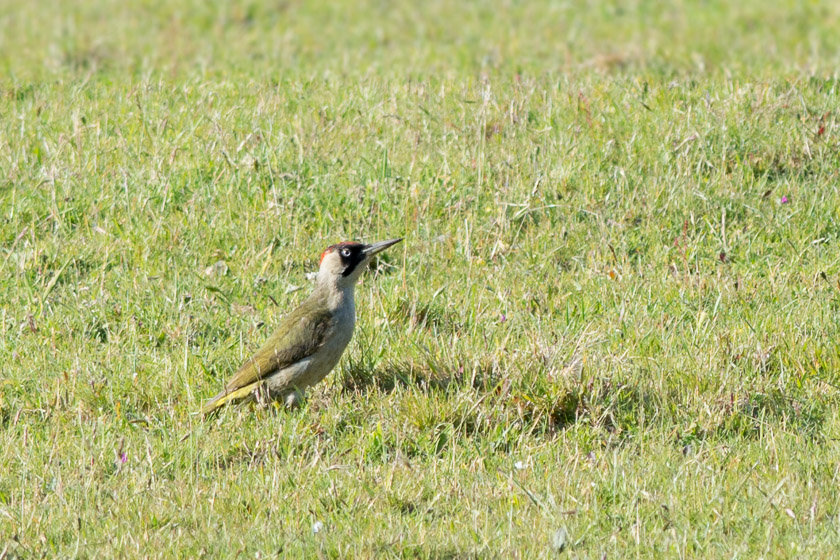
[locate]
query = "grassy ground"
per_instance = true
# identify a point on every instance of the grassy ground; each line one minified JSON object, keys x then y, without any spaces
{"x":612,"y":330}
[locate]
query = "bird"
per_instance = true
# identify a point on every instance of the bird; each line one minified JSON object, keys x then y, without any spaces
{"x":309,"y":342}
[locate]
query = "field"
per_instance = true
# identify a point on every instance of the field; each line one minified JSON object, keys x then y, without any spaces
{"x":611,"y":331}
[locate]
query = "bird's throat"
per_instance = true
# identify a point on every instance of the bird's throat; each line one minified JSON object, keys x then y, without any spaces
{"x":333,"y":293}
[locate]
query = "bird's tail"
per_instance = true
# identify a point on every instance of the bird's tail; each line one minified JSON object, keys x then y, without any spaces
{"x":245,"y":393}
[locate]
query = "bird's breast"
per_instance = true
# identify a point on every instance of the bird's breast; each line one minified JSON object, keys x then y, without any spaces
{"x":339,"y":336}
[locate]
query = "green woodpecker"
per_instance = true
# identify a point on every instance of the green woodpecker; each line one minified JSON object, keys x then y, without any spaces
{"x":309,"y":342}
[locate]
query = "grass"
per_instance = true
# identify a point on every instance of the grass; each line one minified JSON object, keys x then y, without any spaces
{"x":612,"y":330}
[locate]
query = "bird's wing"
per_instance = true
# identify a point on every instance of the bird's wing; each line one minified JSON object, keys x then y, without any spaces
{"x":299,"y":336}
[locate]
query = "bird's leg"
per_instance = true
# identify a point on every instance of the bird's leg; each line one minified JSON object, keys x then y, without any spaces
{"x":294,"y":399}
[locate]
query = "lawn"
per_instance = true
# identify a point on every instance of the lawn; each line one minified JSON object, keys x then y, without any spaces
{"x":612,"y":330}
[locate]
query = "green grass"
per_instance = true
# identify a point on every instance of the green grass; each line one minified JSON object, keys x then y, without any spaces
{"x":605,"y":327}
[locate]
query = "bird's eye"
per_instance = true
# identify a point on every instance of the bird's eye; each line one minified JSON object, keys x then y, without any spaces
{"x":345,"y":252}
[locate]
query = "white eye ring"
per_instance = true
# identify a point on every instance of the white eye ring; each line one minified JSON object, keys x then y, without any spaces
{"x":345,"y":252}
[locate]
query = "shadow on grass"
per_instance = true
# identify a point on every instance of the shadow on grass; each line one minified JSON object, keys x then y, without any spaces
{"x":543,"y":404}
{"x":750,"y":416}
{"x":747,"y":416}
{"x":360,"y":377}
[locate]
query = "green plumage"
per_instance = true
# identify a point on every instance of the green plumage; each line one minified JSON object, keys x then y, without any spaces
{"x":300,"y":335}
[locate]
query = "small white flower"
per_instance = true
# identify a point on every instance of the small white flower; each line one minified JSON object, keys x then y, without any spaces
{"x":317,"y":527}
{"x":519,"y":465}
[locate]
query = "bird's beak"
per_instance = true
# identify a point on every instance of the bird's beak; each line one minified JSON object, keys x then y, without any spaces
{"x":374,"y":248}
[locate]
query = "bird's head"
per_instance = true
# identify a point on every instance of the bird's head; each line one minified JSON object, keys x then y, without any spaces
{"x":343,"y":263}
